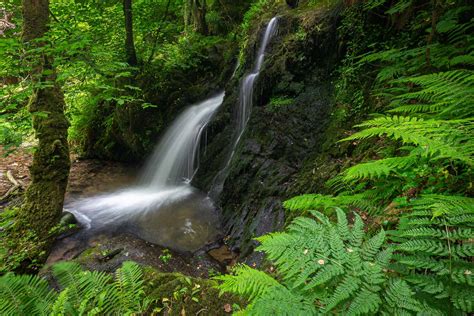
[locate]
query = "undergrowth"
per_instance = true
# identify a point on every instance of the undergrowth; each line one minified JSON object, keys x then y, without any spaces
{"x":418,"y":186}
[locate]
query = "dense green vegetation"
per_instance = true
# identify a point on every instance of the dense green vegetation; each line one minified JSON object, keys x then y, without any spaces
{"x":417,"y":188}
{"x":394,"y":237}
{"x":101,"y":88}
{"x":131,"y":290}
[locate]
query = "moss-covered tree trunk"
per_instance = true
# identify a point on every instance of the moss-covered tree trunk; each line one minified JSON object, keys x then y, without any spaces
{"x":129,"y":42}
{"x":50,"y":168}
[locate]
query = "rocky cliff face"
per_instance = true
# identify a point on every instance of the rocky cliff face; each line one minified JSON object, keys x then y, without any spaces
{"x":293,"y":99}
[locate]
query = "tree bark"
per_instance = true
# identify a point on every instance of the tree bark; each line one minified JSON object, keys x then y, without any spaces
{"x":435,"y":13}
{"x":129,"y":42}
{"x":49,"y":171}
{"x":196,"y":10}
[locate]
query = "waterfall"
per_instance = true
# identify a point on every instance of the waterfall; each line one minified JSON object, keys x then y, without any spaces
{"x":248,"y":82}
{"x":247,"y":85}
{"x":174,"y":159}
{"x":163,"y":207}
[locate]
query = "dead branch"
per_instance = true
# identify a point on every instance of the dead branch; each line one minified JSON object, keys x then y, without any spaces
{"x":17,"y":185}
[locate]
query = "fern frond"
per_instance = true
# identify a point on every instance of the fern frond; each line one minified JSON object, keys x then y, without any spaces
{"x":364,"y":303}
{"x":379,"y":168}
{"x":462,"y":299}
{"x":128,"y":290}
{"x":451,"y":92}
{"x":343,"y":291}
{"x":309,"y":202}
{"x":280,"y":301}
{"x":357,"y":233}
{"x":91,"y":286}
{"x":428,"y":134}
{"x":247,"y":282}
{"x":67,"y":273}
{"x":400,"y":296}
{"x":61,"y":306}
{"x":24,"y":295}
{"x":371,"y":247}
{"x":440,"y":204}
{"x":342,"y":225}
{"x":329,"y":203}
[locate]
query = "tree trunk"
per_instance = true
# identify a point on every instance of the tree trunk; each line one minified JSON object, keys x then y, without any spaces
{"x":196,"y":10}
{"x":129,"y":42}
{"x":50,"y":168}
{"x":435,"y":13}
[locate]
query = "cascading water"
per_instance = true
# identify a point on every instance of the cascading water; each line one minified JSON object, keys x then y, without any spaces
{"x":164,"y":208}
{"x":247,"y":85}
{"x":248,"y":82}
{"x":174,"y":160}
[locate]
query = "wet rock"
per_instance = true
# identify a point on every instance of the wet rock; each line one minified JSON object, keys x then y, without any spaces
{"x":224,"y":255}
{"x":67,"y":219}
{"x":107,"y":253}
{"x":110,"y":255}
{"x":292,"y":3}
{"x":293,"y":99}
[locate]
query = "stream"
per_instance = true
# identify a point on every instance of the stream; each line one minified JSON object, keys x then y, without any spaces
{"x":162,"y":207}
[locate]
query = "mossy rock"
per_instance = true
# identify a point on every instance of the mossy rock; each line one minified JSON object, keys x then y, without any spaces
{"x":177,"y":294}
{"x":294,"y":97}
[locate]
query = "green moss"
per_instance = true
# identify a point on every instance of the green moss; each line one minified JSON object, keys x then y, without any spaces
{"x":20,"y":249}
{"x":177,"y":294}
{"x":89,"y":254}
{"x":277,"y":102}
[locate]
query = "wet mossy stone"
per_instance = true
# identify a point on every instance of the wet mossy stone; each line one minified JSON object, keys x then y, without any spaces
{"x":271,"y":154}
{"x":67,"y":219}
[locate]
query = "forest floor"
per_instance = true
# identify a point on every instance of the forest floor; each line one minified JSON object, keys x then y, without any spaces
{"x":17,"y":163}
{"x":106,"y":175}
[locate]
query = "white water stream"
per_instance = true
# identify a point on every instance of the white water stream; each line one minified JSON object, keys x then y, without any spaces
{"x":247,"y":85}
{"x":164,"y":208}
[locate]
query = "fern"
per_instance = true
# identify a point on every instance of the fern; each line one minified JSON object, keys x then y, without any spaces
{"x":439,"y":139}
{"x":248,"y":282}
{"x":324,"y":267}
{"x":82,"y":292}
{"x":61,"y":306}
{"x":68,"y":275}
{"x":24,"y":295}
{"x":264,"y":291}
{"x":342,"y":271}
{"x":380,"y":168}
{"x":128,"y":289}
{"x":435,"y":254}
{"x":328,"y":203}
{"x":448,"y":93}
{"x":420,"y":190}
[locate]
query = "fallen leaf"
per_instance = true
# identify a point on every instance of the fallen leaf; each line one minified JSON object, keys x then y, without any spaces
{"x":227,"y":308}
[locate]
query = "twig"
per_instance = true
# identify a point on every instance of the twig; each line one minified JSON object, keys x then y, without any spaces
{"x":201,"y":310}
{"x":16,"y":185}
{"x":12,"y":179}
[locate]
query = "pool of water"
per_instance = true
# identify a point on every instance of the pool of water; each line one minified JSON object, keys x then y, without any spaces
{"x":179,"y":217}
